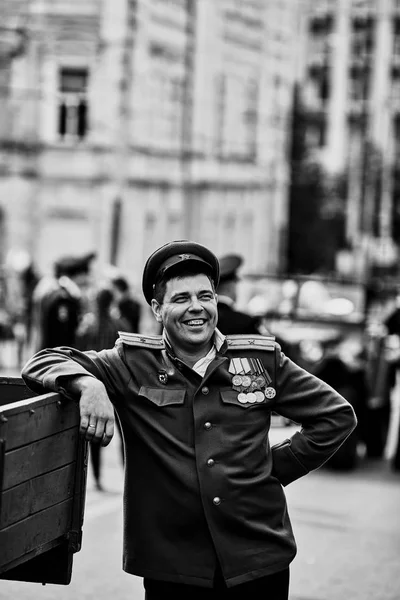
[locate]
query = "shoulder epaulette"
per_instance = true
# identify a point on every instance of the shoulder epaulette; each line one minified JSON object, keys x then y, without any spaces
{"x":142,"y":341}
{"x":251,"y":342}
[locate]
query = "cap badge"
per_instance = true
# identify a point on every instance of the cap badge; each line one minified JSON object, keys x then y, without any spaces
{"x":251,"y":380}
{"x":184,"y":256}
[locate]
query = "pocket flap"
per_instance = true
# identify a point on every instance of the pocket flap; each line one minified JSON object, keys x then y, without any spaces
{"x":163,"y":397}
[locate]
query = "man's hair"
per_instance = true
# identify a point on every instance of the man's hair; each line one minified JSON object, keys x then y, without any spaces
{"x":179,"y":273}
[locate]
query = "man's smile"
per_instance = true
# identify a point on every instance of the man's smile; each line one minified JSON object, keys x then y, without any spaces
{"x":195,"y":322}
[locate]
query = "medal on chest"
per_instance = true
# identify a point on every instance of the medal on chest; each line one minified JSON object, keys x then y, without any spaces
{"x":251,"y":380}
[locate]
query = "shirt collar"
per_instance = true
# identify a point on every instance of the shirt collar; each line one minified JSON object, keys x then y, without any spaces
{"x":219,"y":339}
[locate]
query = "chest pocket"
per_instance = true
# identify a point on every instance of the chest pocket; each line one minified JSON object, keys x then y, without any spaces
{"x":163,"y":397}
{"x":231,"y":397}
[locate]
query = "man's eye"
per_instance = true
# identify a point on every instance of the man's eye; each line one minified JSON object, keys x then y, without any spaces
{"x":180,"y":299}
{"x":206,"y":297}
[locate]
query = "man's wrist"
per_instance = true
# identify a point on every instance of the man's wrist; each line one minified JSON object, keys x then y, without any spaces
{"x":78,"y":384}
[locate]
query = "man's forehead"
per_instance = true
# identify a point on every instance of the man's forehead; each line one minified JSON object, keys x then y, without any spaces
{"x":188,"y":283}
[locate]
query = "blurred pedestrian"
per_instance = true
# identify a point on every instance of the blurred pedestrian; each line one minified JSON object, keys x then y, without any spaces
{"x":205,"y":514}
{"x":29,"y":281}
{"x":97,"y":331}
{"x":129,"y":308}
{"x":21,"y":279}
{"x":231,"y":320}
{"x":59,"y":301}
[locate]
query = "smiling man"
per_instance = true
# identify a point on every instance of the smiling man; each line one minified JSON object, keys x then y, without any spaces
{"x":188,"y":312}
{"x":205,"y":514}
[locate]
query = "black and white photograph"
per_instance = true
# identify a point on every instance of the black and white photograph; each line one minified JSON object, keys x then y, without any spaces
{"x":200,"y":299}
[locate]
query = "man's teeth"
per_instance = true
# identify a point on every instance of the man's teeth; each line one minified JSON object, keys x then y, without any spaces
{"x":196,"y":322}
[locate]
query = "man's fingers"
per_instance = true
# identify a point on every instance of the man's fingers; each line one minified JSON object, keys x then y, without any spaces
{"x":84,"y":424}
{"x":91,"y":431}
{"x":99,"y":431}
{"x":108,"y":433}
{"x":97,"y":417}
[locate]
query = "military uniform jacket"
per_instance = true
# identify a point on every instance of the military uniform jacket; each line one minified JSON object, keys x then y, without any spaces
{"x":202,"y":485}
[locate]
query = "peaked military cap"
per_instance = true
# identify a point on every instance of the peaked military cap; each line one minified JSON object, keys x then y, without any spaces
{"x":74,"y":265}
{"x":175,"y":255}
{"x":229,"y":264}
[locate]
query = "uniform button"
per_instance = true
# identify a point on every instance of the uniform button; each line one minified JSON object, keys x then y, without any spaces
{"x":205,"y":390}
{"x":210,"y":462}
{"x":207,"y":425}
{"x":216,"y":500}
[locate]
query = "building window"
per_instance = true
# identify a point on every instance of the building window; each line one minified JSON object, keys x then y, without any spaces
{"x":237,"y":117}
{"x":396,"y":39}
{"x":359,"y":84}
{"x":397,"y":141}
{"x":72,"y":103}
{"x":5,"y":120}
{"x":250,"y":116}
{"x":395,"y":91}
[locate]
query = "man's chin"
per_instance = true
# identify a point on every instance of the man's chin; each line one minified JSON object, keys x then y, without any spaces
{"x":198,"y":337}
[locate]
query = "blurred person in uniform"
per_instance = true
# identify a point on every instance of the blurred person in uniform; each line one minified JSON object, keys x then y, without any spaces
{"x":99,"y":330}
{"x":60,"y":301}
{"x":129,"y":308}
{"x":205,"y":514}
{"x":231,"y":320}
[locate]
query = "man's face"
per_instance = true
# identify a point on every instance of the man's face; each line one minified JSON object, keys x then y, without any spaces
{"x":188,"y":312}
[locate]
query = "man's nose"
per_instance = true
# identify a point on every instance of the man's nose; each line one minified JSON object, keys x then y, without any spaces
{"x":195,"y":304}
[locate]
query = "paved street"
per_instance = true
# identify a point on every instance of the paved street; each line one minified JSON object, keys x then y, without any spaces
{"x":347,"y":528}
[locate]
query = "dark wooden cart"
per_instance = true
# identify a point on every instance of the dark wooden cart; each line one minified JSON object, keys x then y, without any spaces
{"x":43,"y":466}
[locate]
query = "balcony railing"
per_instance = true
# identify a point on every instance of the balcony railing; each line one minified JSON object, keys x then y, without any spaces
{"x":396,"y":7}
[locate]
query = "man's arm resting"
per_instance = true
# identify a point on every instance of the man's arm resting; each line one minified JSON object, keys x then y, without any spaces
{"x":96,"y":410}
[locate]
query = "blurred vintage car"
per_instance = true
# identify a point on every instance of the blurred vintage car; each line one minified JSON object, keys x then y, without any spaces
{"x":323,"y":325}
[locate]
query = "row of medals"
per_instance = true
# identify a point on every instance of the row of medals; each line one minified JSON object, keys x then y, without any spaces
{"x":250,"y":388}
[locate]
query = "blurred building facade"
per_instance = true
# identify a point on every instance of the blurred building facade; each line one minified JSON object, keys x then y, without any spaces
{"x":126,"y":123}
{"x":350,"y":88}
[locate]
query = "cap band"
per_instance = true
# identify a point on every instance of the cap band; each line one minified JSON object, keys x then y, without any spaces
{"x":176,"y":260}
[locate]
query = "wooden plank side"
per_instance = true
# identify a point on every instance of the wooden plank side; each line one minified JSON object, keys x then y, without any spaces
{"x":11,"y":380}
{"x":79,"y":495}
{"x":13,"y":389}
{"x":37,"y":419}
{"x":36,"y":494}
{"x":34,"y":532}
{"x":39,"y":457}
{"x":53,"y":564}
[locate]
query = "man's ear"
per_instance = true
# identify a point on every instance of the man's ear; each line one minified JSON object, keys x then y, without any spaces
{"x":156,"y":308}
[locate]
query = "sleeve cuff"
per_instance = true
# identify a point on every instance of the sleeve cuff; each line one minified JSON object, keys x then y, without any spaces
{"x":286,"y":467}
